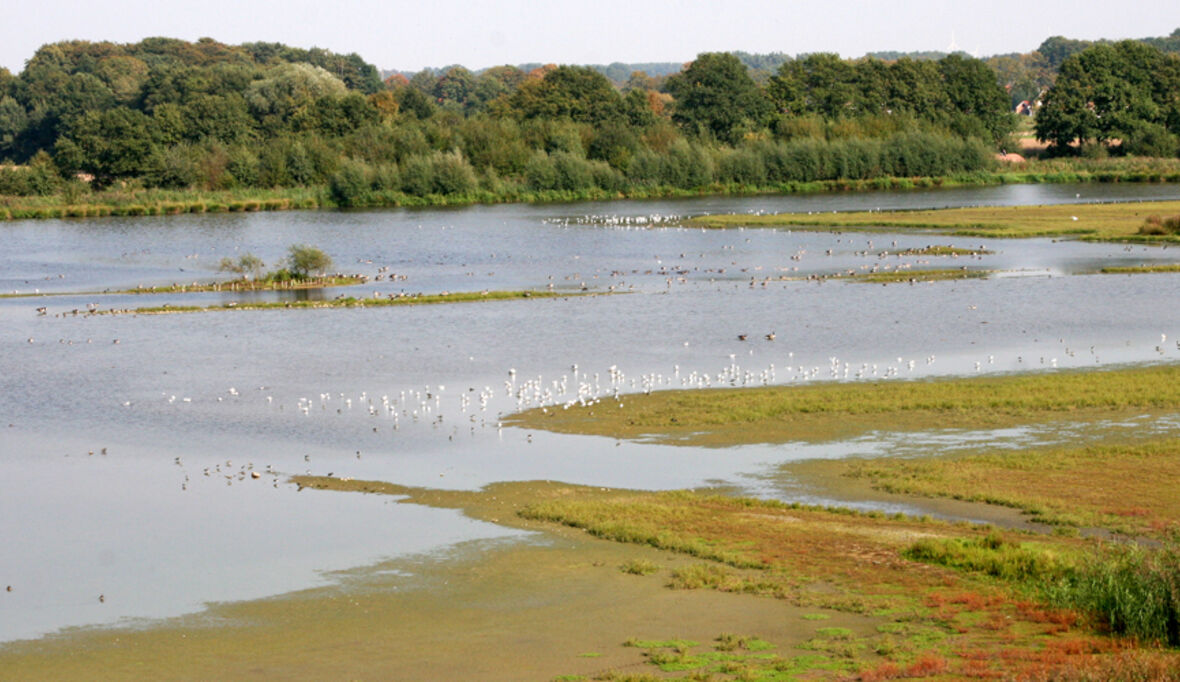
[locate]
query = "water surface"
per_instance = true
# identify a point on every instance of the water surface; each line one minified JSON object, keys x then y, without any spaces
{"x":187,"y":406}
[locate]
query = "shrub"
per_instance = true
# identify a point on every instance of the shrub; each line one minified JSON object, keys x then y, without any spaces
{"x":304,"y":260}
{"x":1157,"y":225}
{"x":350,"y":185}
{"x":540,"y":173}
{"x":452,"y":174}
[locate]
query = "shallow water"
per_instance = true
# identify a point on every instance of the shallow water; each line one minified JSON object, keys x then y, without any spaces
{"x":187,"y":406}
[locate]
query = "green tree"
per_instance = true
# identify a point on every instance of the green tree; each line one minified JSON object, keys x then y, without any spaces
{"x":246,"y":264}
{"x":111,"y":144}
{"x":576,"y":93}
{"x":715,"y":96}
{"x":976,"y":96}
{"x":304,"y":261}
{"x":1109,"y":92}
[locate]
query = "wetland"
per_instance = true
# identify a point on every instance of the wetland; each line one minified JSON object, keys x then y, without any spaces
{"x":420,"y":491}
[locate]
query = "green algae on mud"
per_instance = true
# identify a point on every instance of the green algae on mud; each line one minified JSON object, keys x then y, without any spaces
{"x":833,"y":410}
{"x":1113,"y":222}
{"x":351,"y":302}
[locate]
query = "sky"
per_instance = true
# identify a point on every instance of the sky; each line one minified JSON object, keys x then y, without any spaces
{"x":393,"y":34}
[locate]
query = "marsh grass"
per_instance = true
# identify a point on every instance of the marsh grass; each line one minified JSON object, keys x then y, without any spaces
{"x":1139,"y":269}
{"x":915,"y":276}
{"x":640,"y":567}
{"x":351,"y":302}
{"x":1096,"y":221}
{"x":271,"y":281}
{"x":1126,"y":488}
{"x":1133,"y":590}
{"x":839,"y":410}
{"x":158,"y":202}
{"x":944,"y":250}
{"x":991,"y":555}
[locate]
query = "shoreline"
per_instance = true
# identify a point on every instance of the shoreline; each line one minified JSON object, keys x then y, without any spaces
{"x":162,"y":203}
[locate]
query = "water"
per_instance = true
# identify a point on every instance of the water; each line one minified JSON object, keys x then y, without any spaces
{"x":186,"y":406}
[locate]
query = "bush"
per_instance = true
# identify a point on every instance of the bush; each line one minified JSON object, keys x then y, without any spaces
{"x":573,"y":173}
{"x":417,"y":176}
{"x":350,"y":185}
{"x":742,"y":166}
{"x":540,"y":173}
{"x":304,"y":260}
{"x":1156,"y":225}
{"x":451,"y":174}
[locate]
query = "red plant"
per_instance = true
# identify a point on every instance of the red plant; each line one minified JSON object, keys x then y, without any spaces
{"x":886,"y":671}
{"x":926,"y":665}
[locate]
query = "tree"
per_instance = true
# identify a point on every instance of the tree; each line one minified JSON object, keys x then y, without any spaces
{"x":1109,"y":92}
{"x":976,"y":96}
{"x":110,"y":144}
{"x":246,"y":264}
{"x":304,"y":261}
{"x":577,"y":93}
{"x":716,"y":96}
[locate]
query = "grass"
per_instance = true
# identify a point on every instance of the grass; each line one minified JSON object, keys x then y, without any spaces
{"x":348,"y":302}
{"x":992,"y":555}
{"x":914,"y":276}
{"x":944,"y":250}
{"x":1139,"y":269}
{"x":949,"y":599}
{"x":268,"y":283}
{"x":1125,"y":488}
{"x":839,"y":410}
{"x":640,"y":567}
{"x":1117,"y":222}
{"x":1136,"y":592}
{"x":140,"y":202}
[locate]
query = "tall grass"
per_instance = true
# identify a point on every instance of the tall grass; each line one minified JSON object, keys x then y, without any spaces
{"x":992,"y":555}
{"x":1135,"y":591}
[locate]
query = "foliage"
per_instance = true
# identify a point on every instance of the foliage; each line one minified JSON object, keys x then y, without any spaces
{"x":992,"y":555}
{"x":206,"y":116}
{"x":1122,"y":92}
{"x":246,"y":264}
{"x":1135,"y":591}
{"x":304,"y":260}
{"x":715,"y":96}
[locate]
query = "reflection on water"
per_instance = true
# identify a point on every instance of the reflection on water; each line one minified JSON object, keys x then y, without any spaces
{"x":130,"y":442}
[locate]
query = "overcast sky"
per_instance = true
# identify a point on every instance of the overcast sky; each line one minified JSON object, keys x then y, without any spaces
{"x":410,"y":35}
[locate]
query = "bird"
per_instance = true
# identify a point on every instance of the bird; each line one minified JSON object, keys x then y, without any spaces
{"x":770,"y":336}
{"x":743,"y":337}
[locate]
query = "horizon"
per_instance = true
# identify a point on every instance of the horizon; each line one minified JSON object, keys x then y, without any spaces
{"x":514,"y":32}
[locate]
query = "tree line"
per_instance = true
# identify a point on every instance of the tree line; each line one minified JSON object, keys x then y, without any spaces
{"x":174,"y":114}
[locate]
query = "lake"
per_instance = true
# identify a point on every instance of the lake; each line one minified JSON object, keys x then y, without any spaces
{"x":128,"y":442}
